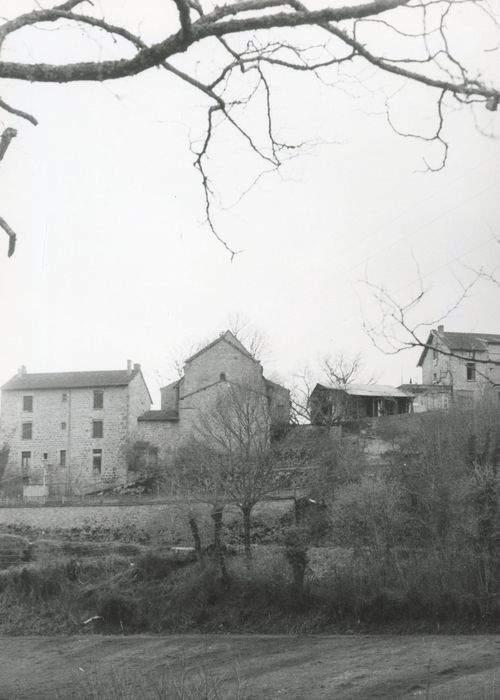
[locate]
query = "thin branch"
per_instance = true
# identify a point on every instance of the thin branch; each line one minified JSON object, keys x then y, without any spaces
{"x":18,"y":112}
{"x":12,"y":236}
{"x":8,"y":134}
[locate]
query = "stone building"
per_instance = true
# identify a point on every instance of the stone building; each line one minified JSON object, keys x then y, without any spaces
{"x":78,"y":432}
{"x":222,"y":363}
{"x":464,"y":364}
{"x":70,"y":432}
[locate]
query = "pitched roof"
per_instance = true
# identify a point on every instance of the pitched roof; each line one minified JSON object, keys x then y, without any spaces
{"x":467,"y":342}
{"x":159,"y":416}
{"x":374,"y":390}
{"x":70,"y":380}
{"x":228,"y":337}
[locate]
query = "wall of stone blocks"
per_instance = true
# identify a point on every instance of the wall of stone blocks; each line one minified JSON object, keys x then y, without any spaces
{"x":206,"y":368}
{"x":165,"y":523}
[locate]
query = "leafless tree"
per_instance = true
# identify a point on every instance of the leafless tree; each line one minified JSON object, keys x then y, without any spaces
{"x":336,"y":371}
{"x":201,"y":477}
{"x":237,"y":428}
{"x":252,"y":338}
{"x":252,"y":41}
{"x":399,"y":328}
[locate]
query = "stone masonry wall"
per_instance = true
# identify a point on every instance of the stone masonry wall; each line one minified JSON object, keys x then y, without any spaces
{"x":206,"y":368}
{"x":163,"y":522}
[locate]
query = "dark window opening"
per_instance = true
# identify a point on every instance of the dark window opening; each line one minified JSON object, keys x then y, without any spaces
{"x":27,"y":431}
{"x":64,"y":397}
{"x":25,"y":460}
{"x":97,"y":429}
{"x":223,"y":376}
{"x":63,"y":425}
{"x":96,"y":461}
{"x":98,"y":399}
{"x":62,"y":458}
{"x":28,"y":403}
{"x":45,"y":456}
{"x":471,"y":371}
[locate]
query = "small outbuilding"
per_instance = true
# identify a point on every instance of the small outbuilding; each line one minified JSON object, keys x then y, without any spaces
{"x":337,"y":404}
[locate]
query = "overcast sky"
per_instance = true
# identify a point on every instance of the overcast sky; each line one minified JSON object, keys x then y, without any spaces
{"x":115,"y":261}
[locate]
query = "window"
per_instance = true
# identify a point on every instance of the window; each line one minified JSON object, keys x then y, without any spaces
{"x":434,"y":354}
{"x":27,"y":431}
{"x":64,"y":397}
{"x":45,"y":456}
{"x":223,"y":376}
{"x":28,"y":403}
{"x":98,"y":399}
{"x":62,"y":458}
{"x":96,"y":461}
{"x":97,"y":428}
{"x":25,"y":460}
{"x":63,"y":425}
{"x":471,"y":371}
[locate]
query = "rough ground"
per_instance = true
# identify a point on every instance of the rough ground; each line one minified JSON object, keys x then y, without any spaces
{"x":294,"y":668}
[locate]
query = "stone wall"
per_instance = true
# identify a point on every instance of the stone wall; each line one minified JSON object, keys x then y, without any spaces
{"x":158,"y":522}
{"x":221,"y":358}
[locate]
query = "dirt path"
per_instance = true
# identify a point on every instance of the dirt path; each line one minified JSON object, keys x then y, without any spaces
{"x":295,"y":668}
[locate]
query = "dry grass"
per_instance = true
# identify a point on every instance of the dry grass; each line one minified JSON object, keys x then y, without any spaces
{"x":190,"y":683}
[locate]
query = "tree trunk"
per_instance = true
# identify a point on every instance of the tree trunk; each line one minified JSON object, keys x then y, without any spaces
{"x":247,"y":528}
{"x":297,"y":558}
{"x":219,"y":553}
{"x":196,"y":538}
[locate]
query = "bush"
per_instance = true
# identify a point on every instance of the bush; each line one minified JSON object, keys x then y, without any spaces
{"x":117,"y":610}
{"x":38,"y":582}
{"x":151,"y":566}
{"x":13,"y":550}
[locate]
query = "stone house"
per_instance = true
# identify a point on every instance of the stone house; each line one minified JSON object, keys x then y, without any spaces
{"x":221,"y":363}
{"x":70,"y":432}
{"x":463,"y":364}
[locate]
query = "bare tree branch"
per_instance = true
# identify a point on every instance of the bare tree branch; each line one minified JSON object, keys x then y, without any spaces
{"x":18,"y":112}
{"x":434,"y":65}
{"x":11,"y":235}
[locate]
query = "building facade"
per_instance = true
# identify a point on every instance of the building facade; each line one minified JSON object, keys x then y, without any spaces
{"x":70,"y":432}
{"x":466,"y":363}
{"x":223,"y":363}
{"x":81,"y":432}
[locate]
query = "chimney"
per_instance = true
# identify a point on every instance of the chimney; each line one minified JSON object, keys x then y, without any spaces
{"x":129,"y":366}
{"x":137,"y":366}
{"x":440,"y":329}
{"x":21,"y":371}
